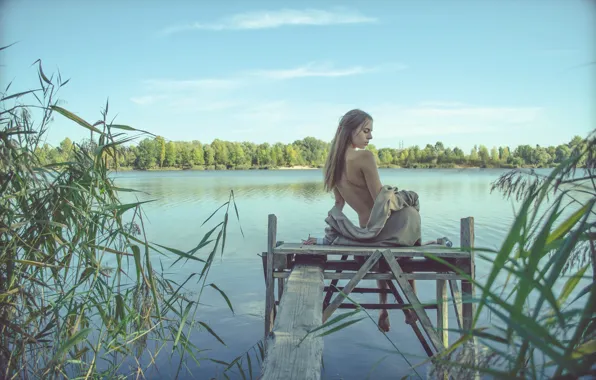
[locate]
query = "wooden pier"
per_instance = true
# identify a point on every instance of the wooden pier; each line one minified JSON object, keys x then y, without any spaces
{"x":304,"y":302}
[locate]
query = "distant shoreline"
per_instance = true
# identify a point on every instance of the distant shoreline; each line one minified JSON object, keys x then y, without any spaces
{"x":303,"y":167}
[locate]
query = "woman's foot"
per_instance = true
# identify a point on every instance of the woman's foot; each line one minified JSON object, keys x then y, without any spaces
{"x":411,"y":317}
{"x":384,"y":323}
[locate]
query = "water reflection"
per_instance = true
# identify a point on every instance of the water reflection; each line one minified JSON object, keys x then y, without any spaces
{"x":189,"y":187}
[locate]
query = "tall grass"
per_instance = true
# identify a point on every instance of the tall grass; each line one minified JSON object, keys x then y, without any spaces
{"x":539,"y":290}
{"x":79,"y":294}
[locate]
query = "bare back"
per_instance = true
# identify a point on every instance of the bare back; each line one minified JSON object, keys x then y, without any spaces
{"x":360,"y":183}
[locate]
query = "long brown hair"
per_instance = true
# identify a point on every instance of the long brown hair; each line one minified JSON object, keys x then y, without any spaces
{"x":336,"y":160}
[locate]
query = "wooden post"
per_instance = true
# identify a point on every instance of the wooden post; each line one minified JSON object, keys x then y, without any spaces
{"x":467,"y":287}
{"x":442,"y":312}
{"x":467,"y":242}
{"x":280,"y":288}
{"x":270,"y":293}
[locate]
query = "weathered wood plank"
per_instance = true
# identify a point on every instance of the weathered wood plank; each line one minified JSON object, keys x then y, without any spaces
{"x":442,"y":318}
{"x":387,"y":276}
{"x":270,"y":284}
{"x":359,"y":290}
{"x":378,"y":306}
{"x":408,"y":315}
{"x":339,"y":298}
{"x":467,"y":241}
{"x":456,"y":296}
{"x":442,"y":312}
{"x":417,"y":265}
{"x":280,"y":288}
{"x":387,"y":306}
{"x":382,"y":276}
{"x":299,"y":312}
{"x":413,"y":299}
{"x":301,"y":249}
{"x":333,"y":283}
{"x":280,"y":261}
{"x":467,"y":287}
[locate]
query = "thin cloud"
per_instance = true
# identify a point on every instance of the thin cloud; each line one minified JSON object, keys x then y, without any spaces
{"x":191,"y":84}
{"x":321,"y":70}
{"x":190,"y":92}
{"x":441,"y":104}
{"x":449,"y":118}
{"x":503,"y":114}
{"x":277,"y":19}
{"x":146,"y":99}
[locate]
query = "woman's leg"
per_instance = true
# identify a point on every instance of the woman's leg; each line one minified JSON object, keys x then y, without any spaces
{"x":384,"y":323}
{"x":411,"y":316}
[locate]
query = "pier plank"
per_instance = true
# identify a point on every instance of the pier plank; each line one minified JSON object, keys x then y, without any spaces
{"x":301,"y":249}
{"x":287,"y":357}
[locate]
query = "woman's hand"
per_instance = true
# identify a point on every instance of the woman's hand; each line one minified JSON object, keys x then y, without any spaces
{"x":310,"y":241}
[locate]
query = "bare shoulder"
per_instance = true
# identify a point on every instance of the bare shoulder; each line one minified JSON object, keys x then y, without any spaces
{"x":359,"y":155}
{"x":365,"y":158}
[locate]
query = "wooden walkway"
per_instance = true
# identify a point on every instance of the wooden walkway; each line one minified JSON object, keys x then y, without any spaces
{"x":304,"y":302}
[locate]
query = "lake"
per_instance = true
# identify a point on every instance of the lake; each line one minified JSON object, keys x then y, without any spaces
{"x":184,"y":199}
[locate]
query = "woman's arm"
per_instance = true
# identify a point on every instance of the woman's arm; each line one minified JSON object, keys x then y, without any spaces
{"x":339,"y":200}
{"x":371,"y":173}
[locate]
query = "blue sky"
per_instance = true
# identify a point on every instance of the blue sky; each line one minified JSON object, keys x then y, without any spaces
{"x":462,"y":72}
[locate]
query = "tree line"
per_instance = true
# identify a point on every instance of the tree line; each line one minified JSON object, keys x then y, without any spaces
{"x":157,"y":153}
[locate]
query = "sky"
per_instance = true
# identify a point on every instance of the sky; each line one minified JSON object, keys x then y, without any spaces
{"x":465,"y":72}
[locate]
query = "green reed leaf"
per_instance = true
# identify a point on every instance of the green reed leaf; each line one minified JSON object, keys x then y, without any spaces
{"x":75,"y":118}
{"x":206,"y":326}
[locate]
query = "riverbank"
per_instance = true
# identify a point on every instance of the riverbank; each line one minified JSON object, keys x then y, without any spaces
{"x":304,"y":167}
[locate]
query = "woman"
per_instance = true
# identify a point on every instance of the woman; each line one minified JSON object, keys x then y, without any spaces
{"x":351,"y":173}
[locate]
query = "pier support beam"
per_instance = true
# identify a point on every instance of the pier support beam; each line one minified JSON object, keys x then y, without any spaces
{"x":304,"y":302}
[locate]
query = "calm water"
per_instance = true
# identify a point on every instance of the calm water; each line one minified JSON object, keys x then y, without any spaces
{"x":183,"y":200}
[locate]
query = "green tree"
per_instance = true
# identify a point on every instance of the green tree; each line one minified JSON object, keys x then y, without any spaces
{"x":146,"y":154}
{"x":525,"y":152}
{"x":474,"y":155}
{"x":385,"y":156}
{"x":290,"y":155}
{"x":277,"y":154}
{"x":263,"y":154}
{"x":541,"y":157}
{"x":209,"y":155}
{"x":483,"y":154}
{"x":66,"y":150}
{"x":459,"y":154}
{"x":171,"y":154}
{"x":562,"y":153}
{"x":250,"y":152}
{"x":220,"y":151}
{"x":185,"y":156}
{"x":161,"y":150}
{"x":312,"y":150}
{"x":198,"y":154}
{"x":505,"y":154}
{"x":576,"y":141}
{"x":494,"y":154}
